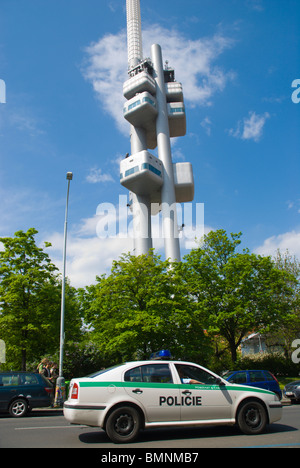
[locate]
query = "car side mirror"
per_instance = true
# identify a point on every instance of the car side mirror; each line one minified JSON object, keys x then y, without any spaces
{"x":220,"y":382}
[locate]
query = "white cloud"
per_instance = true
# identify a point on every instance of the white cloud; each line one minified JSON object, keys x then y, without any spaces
{"x":106,"y":69}
{"x":206,"y":125}
{"x":21,"y":119}
{"x":251,"y":128}
{"x":288,"y":241}
{"x":255,"y":5}
{"x":98,"y":241}
{"x":194,"y":62}
{"x":87,"y":257}
{"x":96,"y":176}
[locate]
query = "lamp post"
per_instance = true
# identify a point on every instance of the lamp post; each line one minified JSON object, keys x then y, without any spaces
{"x":60,"y":391}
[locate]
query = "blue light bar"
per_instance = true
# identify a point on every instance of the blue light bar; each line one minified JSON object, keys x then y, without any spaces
{"x":163,"y":354}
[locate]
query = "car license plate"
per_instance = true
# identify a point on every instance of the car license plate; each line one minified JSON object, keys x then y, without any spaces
{"x":289,"y":394}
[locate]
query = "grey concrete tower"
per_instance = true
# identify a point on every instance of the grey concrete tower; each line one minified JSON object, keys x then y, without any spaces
{"x":156,"y":112}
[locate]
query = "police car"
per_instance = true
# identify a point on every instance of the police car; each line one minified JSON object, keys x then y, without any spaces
{"x":124,"y":399}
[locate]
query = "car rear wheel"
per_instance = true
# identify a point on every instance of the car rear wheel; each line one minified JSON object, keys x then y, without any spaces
{"x":18,"y":408}
{"x":123,"y":425}
{"x":252,"y":418}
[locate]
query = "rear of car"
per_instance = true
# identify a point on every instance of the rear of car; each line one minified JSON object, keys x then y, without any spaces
{"x":255,"y":378}
{"x":91,"y":397}
{"x":22,"y":391}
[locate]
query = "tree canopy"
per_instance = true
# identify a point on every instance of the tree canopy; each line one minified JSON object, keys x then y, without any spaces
{"x":198,"y":308}
{"x":236,"y":292}
{"x":30,"y":296}
{"x":143,"y":306}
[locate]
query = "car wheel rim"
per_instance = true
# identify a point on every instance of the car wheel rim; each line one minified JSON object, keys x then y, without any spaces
{"x":124,"y":424}
{"x":253,"y":417}
{"x":18,"y":409}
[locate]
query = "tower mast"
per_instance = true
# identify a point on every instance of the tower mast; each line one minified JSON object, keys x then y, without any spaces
{"x":156,"y":112}
{"x":140,"y":202}
{"x":134,"y":33}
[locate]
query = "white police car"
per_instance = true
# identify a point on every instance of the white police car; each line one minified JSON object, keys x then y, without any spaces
{"x":127,"y":398}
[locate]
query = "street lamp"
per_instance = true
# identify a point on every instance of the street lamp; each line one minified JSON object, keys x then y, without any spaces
{"x":60,"y":391}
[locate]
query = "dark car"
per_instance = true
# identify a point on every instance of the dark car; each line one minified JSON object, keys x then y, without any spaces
{"x":255,"y":378}
{"x":22,"y":391}
{"x":292,"y":391}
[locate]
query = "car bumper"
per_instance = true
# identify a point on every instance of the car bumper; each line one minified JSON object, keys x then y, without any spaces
{"x":84,"y":414}
{"x":292,"y":395}
{"x":275,"y":411}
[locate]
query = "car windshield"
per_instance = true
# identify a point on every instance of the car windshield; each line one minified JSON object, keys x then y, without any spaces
{"x":227,"y":373}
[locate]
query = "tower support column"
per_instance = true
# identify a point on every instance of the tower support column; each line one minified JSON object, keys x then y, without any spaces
{"x":141,"y":206}
{"x":168,"y":198}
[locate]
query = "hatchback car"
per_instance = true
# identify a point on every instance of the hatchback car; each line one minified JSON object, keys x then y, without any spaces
{"x":22,"y":391}
{"x":256,"y":378}
{"x":127,"y":398}
{"x":292,"y":391}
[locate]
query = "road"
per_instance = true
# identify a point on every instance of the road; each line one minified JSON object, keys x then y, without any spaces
{"x":49,"y":429}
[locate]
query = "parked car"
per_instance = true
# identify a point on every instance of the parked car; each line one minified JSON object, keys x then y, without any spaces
{"x":22,"y":391}
{"x":292,"y":391}
{"x":255,"y":378}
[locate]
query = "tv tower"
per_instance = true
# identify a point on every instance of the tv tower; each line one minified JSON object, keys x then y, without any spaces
{"x":155,"y":109}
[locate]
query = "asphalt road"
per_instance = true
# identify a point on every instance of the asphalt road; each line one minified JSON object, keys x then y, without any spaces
{"x":49,"y":429}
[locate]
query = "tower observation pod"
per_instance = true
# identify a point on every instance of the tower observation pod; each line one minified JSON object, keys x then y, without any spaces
{"x":156,"y":112}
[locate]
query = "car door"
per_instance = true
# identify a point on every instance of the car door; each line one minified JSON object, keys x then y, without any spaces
{"x":31,"y":388}
{"x":206,"y":400}
{"x":153,"y":387}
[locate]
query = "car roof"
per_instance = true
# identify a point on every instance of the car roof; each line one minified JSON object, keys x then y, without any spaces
{"x":128,"y":365}
{"x":249,"y":370}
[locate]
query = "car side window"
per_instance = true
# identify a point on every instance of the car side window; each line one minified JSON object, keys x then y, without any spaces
{"x":239,"y":378}
{"x":196,"y":373}
{"x":268,"y":376}
{"x":29,"y":379}
{"x":9,"y":380}
{"x":151,"y":373}
{"x":257,"y":376}
{"x":134,"y":375}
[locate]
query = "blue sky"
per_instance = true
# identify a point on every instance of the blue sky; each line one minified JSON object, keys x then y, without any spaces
{"x":64,"y":62}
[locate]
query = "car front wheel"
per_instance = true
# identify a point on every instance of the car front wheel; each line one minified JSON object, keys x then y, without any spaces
{"x":252,"y":418}
{"x":123,"y":425}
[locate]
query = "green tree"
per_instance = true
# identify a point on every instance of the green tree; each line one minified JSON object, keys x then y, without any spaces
{"x":289,"y":330}
{"x":30,"y":293}
{"x":236,"y":292}
{"x":142,"y":307}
